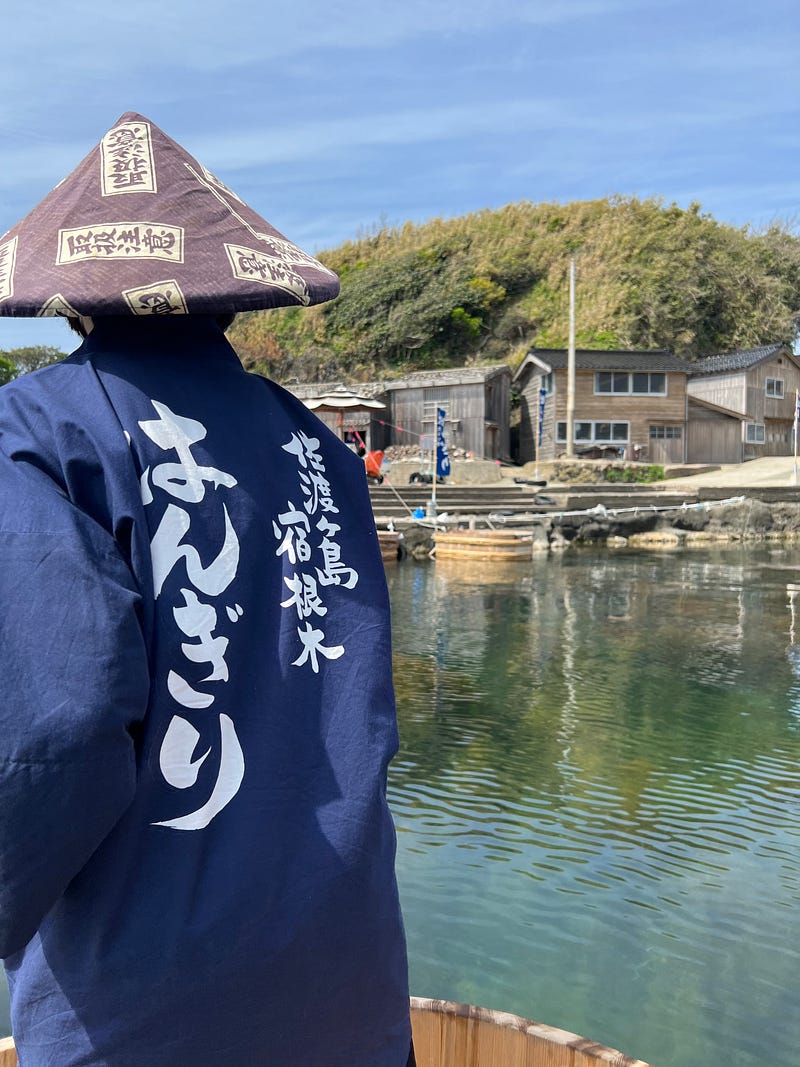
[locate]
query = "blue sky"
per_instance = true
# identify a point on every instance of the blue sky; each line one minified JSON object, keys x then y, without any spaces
{"x":330,"y":119}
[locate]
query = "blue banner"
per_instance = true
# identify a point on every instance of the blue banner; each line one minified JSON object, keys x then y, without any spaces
{"x":442,"y":458}
{"x":542,"y":399}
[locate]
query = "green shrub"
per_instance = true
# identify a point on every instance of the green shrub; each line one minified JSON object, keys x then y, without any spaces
{"x":652,"y":473}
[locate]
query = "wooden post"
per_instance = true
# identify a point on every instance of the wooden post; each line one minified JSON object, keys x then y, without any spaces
{"x":571,"y":365}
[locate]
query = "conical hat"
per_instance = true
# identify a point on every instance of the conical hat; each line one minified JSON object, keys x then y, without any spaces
{"x":141,"y":228}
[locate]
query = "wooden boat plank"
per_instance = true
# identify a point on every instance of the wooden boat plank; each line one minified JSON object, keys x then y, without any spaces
{"x":483,"y":554}
{"x":447,"y":1034}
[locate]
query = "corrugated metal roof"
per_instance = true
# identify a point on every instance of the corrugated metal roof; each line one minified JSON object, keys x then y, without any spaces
{"x":738,"y":360}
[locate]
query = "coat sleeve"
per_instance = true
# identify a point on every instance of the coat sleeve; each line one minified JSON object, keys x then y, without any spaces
{"x":75,"y":683}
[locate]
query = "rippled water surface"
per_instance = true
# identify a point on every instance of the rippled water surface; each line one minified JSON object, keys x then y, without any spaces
{"x":598,"y":796}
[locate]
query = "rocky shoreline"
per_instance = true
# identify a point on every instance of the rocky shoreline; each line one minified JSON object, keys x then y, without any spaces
{"x":749,"y":521}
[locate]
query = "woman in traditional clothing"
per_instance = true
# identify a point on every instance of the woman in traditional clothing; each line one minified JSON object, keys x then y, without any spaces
{"x":197,"y":714}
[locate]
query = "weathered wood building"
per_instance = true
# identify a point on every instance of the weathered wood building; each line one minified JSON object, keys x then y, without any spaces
{"x":476,"y":401}
{"x":626,"y":403}
{"x":741,"y":404}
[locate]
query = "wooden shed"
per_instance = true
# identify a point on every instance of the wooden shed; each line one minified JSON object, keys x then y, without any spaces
{"x":759,"y":385}
{"x":476,"y":401}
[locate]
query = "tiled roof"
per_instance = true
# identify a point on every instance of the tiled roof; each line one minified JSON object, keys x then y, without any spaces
{"x":598,"y":359}
{"x":739,"y":360}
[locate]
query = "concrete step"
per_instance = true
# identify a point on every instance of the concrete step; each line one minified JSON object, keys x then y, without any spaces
{"x":516,"y":506}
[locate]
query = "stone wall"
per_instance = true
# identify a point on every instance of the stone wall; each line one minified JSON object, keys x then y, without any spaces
{"x":463,"y":471}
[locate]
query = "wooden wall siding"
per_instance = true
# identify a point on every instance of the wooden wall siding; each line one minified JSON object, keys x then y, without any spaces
{"x":405,"y":406}
{"x":640,"y":411}
{"x":497,"y":392}
{"x":759,"y":405}
{"x":713,"y":439}
{"x":664,"y":450}
{"x":778,"y":437}
{"x":529,"y":427}
{"x":746,"y":391}
{"x":724,"y":390}
{"x":468,"y":407}
{"x":549,"y":428}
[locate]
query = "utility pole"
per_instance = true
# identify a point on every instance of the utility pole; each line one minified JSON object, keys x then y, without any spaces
{"x":571,"y":365}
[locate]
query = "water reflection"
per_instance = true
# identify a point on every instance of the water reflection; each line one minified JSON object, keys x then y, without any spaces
{"x":598,"y":796}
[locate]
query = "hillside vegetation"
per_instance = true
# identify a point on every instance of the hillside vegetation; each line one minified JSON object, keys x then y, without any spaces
{"x":485,"y":287}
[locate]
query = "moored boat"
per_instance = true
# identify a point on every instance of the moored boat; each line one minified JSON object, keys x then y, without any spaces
{"x":447,"y":1034}
{"x":390,"y":543}
{"x":478,"y":545}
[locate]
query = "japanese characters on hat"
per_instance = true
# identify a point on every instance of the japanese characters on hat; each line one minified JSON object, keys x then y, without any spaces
{"x":141,"y":228}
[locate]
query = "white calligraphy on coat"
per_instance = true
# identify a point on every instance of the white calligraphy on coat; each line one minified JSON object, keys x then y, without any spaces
{"x":196,"y":619}
{"x":293,"y":529}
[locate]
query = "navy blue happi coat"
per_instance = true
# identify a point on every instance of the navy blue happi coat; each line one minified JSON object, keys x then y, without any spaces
{"x":196,"y":716}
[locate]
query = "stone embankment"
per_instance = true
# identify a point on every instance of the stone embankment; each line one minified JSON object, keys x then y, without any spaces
{"x":705,"y":523}
{"x":696,"y":524}
{"x":579,"y":502}
{"x":693,"y":523}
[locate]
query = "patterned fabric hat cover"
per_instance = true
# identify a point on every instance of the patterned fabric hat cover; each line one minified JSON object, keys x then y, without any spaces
{"x":140,"y":227}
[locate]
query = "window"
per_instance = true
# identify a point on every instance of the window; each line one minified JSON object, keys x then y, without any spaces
{"x":429,"y":406}
{"x":641,"y":383}
{"x":754,"y":433}
{"x":546,"y":382}
{"x":583,"y":431}
{"x":668,"y":433}
{"x":587,"y":433}
{"x":775,"y":388}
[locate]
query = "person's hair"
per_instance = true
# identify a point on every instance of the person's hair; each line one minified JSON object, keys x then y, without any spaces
{"x":75,"y":324}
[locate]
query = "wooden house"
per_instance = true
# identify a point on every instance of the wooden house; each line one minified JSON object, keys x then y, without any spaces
{"x":627,"y":403}
{"x":741,"y":404}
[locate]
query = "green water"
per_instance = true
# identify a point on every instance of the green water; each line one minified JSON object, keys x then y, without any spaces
{"x":598,"y":797}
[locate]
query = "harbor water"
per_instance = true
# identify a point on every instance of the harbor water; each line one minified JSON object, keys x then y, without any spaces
{"x":597,"y":795}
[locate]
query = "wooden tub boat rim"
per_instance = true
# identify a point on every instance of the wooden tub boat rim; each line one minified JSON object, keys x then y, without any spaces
{"x":505,"y":1020}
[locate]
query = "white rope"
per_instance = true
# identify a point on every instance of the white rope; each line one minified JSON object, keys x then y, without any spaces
{"x":602,"y":512}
